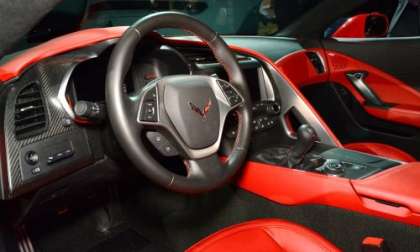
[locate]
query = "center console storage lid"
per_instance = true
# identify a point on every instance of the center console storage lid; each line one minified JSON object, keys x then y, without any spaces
{"x":397,"y":187}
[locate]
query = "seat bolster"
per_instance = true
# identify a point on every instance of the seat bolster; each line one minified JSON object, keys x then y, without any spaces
{"x":268,"y":235}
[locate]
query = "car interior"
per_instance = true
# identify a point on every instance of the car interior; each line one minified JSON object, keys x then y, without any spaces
{"x":206,"y":125}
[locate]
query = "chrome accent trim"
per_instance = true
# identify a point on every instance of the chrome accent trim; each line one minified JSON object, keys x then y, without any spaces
{"x":265,"y":85}
{"x":90,"y":54}
{"x":291,"y":99}
{"x":358,"y":81}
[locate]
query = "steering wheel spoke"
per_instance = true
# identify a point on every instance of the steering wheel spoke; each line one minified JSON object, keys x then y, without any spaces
{"x":209,"y":168}
{"x":231,"y":96}
{"x":162,"y":144}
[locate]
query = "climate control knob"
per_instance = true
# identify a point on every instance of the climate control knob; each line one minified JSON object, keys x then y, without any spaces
{"x":31,"y":157}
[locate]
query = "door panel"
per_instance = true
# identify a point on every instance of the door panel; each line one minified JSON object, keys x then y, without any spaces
{"x":399,"y":57}
{"x":398,"y":102}
{"x":388,"y":71}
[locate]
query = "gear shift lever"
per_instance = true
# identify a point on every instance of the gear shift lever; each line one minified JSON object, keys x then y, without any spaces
{"x":295,"y":157}
{"x":306,"y":137}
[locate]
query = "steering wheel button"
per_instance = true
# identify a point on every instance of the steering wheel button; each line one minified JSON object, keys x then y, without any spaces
{"x":148,"y":113}
{"x":151,"y":95}
{"x":234,"y":100}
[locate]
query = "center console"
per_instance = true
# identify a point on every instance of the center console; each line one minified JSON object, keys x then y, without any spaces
{"x":308,"y":155}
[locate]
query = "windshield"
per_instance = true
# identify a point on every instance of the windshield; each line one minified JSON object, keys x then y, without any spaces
{"x":227,"y":17}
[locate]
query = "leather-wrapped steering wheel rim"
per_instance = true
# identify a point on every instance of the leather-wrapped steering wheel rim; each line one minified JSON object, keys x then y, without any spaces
{"x":123,"y":109}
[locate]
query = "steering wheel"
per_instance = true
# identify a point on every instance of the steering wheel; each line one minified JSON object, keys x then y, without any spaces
{"x":189,"y":110}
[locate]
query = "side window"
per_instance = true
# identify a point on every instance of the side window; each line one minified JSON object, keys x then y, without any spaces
{"x":408,"y":24}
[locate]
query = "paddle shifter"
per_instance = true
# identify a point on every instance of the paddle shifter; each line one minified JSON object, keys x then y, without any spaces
{"x":306,"y":137}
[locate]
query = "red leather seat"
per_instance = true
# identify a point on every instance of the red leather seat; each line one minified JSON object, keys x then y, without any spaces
{"x":265,"y":235}
{"x":383,"y":150}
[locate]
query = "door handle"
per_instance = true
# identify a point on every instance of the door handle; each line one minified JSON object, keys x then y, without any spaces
{"x":358,"y":81}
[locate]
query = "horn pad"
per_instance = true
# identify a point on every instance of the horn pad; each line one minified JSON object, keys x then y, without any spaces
{"x":193,"y":109}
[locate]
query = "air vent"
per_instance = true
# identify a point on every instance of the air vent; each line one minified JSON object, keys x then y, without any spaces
{"x":30,"y":113}
{"x":316,"y":62}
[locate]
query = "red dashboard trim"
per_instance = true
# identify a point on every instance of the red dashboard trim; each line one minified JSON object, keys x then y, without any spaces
{"x":299,"y":69}
{"x":82,"y":38}
{"x":71,"y":41}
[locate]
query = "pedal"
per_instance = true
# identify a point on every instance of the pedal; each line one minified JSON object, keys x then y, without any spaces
{"x":23,"y":240}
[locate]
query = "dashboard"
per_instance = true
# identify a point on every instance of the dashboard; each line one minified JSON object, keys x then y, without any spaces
{"x":54,"y":113}
{"x":52,"y":103}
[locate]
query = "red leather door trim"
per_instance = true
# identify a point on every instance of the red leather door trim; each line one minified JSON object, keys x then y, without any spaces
{"x":405,"y":100}
{"x":268,"y":235}
{"x":389,"y":89}
{"x":404,"y":114}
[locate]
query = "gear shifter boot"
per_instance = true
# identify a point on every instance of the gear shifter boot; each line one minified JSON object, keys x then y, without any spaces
{"x":297,"y":156}
{"x":280,"y":157}
{"x":275,"y":156}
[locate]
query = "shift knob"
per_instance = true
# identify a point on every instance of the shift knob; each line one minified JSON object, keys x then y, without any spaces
{"x":306,"y":137}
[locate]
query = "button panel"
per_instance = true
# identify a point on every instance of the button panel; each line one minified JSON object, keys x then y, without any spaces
{"x":231,"y":95}
{"x":263,"y":123}
{"x":60,"y":156}
{"x":162,"y":144}
{"x":56,"y":153}
{"x":339,"y":168}
{"x":149,"y":108}
{"x":265,"y":115}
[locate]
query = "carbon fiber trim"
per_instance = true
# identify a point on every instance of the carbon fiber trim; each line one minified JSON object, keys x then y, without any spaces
{"x":50,"y":75}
